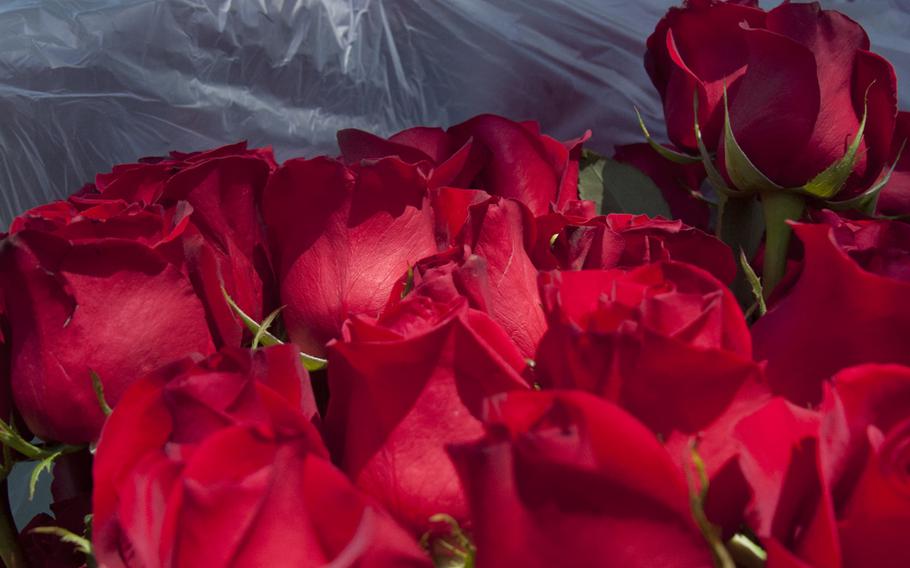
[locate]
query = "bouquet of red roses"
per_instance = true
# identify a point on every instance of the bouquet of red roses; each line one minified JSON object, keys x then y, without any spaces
{"x":481,"y":346}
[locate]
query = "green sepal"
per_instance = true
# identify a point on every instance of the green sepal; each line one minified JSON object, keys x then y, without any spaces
{"x":310,"y":362}
{"x":754,"y":283}
{"x":746,"y":552}
{"x":830,"y":181}
{"x":672,"y":155}
{"x":98,"y":387}
{"x":742,"y":172}
{"x":868,"y":200}
{"x":264,"y":327}
{"x":81,"y":543}
{"x":408,"y":283}
{"x":454,"y":550}
{"x":698,"y":494}
{"x":43,"y":465}
{"x":716,"y":180}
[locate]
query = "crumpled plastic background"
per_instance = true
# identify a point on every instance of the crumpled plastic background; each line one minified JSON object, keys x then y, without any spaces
{"x":85,"y":84}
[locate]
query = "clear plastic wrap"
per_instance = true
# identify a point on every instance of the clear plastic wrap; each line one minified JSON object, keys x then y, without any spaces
{"x":90,"y":83}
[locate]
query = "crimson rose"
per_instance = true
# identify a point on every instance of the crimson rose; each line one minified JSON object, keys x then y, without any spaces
{"x":563,"y":478}
{"x":798,"y":80}
{"x":217,"y":463}
{"x":405,"y":385}
{"x":103,"y":289}
{"x":831,"y":488}
{"x":489,"y":152}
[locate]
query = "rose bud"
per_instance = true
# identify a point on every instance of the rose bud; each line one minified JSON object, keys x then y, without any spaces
{"x":761,"y":59}
{"x":564,"y":477}
{"x":850,"y":305}
{"x":102,"y":290}
{"x":341,"y":236}
{"x":405,"y":385}
{"x":627,"y":241}
{"x":667,"y":342}
{"x":489,"y":152}
{"x":831,"y":490}
{"x":217,"y":463}
{"x":488,"y":264}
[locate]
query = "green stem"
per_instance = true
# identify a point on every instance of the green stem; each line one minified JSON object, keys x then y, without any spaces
{"x":10,"y":552}
{"x":779,"y":207}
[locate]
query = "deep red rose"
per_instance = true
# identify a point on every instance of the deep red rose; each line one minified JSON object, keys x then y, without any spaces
{"x":796,"y":69}
{"x":666,"y":341}
{"x":227,"y":248}
{"x":675,"y":181}
{"x":831,"y":488}
{"x":895,"y":197}
{"x":341,"y":237}
{"x":564,"y":478}
{"x":103,"y":290}
{"x":627,"y":241}
{"x":489,"y":152}
{"x":850,"y":305}
{"x":404,"y":386}
{"x":218,"y":463}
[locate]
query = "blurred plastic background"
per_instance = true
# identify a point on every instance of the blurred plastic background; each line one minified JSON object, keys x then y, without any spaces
{"x":85,"y":84}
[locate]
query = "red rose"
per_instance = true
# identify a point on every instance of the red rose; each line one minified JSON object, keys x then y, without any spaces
{"x":565,"y":479}
{"x":675,"y":181}
{"x":341,"y":237}
{"x":500,"y":156}
{"x":797,"y":78}
{"x":850,"y":305}
{"x":227,"y":248}
{"x":404,"y":386}
{"x":666,"y":341}
{"x":101,"y":290}
{"x":218,"y":464}
{"x":627,"y":241}
{"x":489,"y":265}
{"x":831,"y":489}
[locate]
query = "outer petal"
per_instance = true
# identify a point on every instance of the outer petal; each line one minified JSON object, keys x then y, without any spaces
{"x":341,"y":238}
{"x":837,"y":315}
{"x":697,"y":49}
{"x":779,"y":93}
{"x":65,"y":324}
{"x":520,"y":165}
{"x":500,"y":230}
{"x":397,"y":401}
{"x":563,"y":477}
